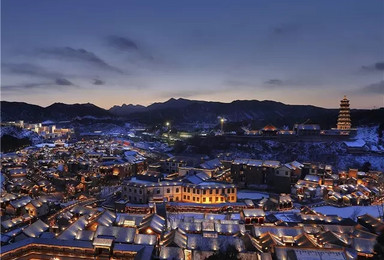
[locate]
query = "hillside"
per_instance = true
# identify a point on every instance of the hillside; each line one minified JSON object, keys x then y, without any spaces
{"x":259,"y":113}
{"x":11,"y":111}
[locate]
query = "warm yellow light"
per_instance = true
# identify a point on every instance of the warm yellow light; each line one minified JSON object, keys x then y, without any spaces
{"x":149,"y":231}
{"x":167,"y":124}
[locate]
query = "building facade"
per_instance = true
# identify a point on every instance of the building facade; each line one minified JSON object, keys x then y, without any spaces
{"x":140,"y":191}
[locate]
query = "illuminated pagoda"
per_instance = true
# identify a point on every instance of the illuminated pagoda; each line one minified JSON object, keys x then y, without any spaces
{"x":344,"y":119}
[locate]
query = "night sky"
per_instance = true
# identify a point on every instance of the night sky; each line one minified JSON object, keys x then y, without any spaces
{"x":115,"y":52}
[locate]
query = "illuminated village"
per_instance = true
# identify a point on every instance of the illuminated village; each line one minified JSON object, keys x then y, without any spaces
{"x":104,"y":197}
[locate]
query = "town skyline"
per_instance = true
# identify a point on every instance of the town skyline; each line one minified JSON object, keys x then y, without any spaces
{"x":335,"y":106}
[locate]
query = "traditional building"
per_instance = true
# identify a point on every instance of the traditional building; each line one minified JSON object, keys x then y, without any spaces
{"x":269,"y":130}
{"x":141,"y":191}
{"x":344,"y":119}
{"x":306,"y":129}
{"x":248,"y":172}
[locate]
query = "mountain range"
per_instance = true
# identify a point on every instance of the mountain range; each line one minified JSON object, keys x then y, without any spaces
{"x":191,"y":111}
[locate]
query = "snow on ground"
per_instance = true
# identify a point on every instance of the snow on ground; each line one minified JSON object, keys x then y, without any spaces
{"x":377,"y":161}
{"x":347,"y":212}
{"x":289,"y":216}
{"x":20,"y":133}
{"x":250,"y":194}
{"x":369,"y":136}
{"x":356,"y":143}
{"x":47,"y":122}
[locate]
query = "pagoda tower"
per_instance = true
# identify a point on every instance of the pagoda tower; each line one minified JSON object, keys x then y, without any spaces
{"x":344,"y":119}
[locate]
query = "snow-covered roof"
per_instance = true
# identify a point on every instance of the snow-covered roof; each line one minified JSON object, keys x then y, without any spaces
{"x":18,"y":203}
{"x":253,"y":212}
{"x":212,"y":164}
{"x":143,"y":239}
{"x":313,"y":178}
{"x":176,"y":237}
{"x":85,"y":235}
{"x":123,"y":218}
{"x":359,"y":143}
{"x":71,"y":232}
{"x":279,"y":231}
{"x":107,"y":218}
{"x":154,"y":222}
{"x":83,"y":210}
{"x":36,"y":229}
{"x":118,"y":234}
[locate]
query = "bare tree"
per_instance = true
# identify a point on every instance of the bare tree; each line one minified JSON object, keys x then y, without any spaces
{"x":380,"y":209}
{"x":355,"y":213}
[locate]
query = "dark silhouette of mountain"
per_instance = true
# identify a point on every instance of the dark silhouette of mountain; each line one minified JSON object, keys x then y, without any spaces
{"x":70,"y":111}
{"x":261,"y":112}
{"x":126,"y":109}
{"x":20,"y":111}
{"x":173,"y":104}
{"x":57,"y":112}
{"x":258,"y":113}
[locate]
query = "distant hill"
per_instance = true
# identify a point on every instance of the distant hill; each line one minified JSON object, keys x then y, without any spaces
{"x":184,"y":111}
{"x":56,"y":112}
{"x":258,"y":112}
{"x":126,"y":109}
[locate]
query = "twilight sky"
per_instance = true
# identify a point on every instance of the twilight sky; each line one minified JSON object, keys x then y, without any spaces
{"x":115,"y":52}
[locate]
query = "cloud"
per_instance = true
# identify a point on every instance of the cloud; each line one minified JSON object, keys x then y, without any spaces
{"x":80,"y":55}
{"x":129,"y":46}
{"x":274,"y":82}
{"x":28,"y":69}
{"x":238,"y":83}
{"x":121,"y":43}
{"x":375,"y":88}
{"x":378,"y":66}
{"x":98,"y":82}
{"x":57,"y":84}
{"x":23,"y":86}
{"x":63,"y":82}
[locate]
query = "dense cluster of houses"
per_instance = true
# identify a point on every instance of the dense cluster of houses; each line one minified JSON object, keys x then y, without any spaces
{"x":68,"y":170}
{"x":251,"y":232}
{"x":104,"y":198}
{"x":46,"y":130}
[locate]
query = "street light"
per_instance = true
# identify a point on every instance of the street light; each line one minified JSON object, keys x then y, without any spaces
{"x":168,"y":125}
{"x":222,"y":120}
